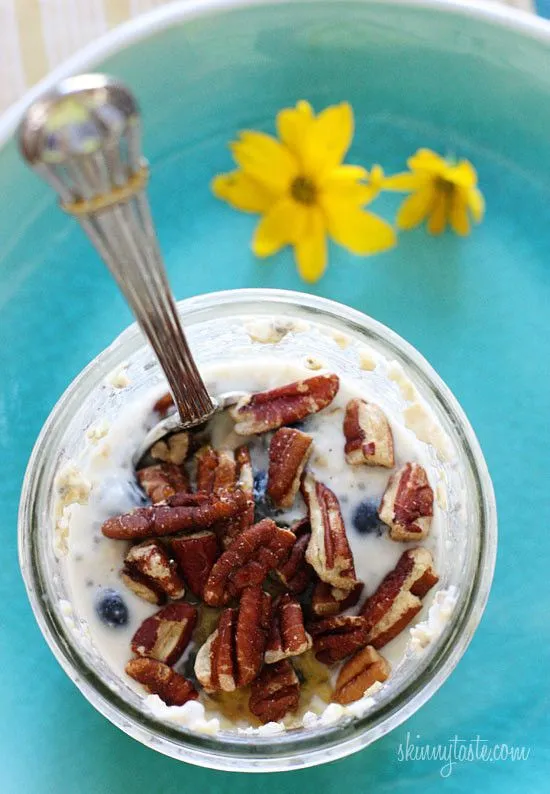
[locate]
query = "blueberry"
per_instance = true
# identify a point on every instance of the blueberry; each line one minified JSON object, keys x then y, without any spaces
{"x":365,"y":518}
{"x":262,"y":503}
{"x":260,"y":485}
{"x":111,"y":608}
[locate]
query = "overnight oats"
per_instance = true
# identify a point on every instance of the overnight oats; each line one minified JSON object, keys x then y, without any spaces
{"x":271,"y":570}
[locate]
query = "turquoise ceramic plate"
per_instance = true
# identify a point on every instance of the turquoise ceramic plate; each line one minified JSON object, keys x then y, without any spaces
{"x":459,"y":79}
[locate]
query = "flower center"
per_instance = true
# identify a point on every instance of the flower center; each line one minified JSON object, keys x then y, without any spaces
{"x":444,"y":186}
{"x":303,"y":190}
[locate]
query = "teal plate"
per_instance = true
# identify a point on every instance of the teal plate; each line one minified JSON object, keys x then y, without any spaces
{"x":460,"y":80}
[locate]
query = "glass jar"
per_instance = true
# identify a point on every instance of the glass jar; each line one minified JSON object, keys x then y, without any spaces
{"x":219,"y":326}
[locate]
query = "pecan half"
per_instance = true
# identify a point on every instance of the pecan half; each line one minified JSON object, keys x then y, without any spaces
{"x":171,"y":449}
{"x":165,"y":635}
{"x":216,"y":469}
{"x":233,"y":655}
{"x":162,"y":481}
{"x":195,"y":555}
{"x":275,"y":692}
{"x":397,"y":599}
{"x":407,"y":504}
{"x":253,"y":627}
{"x":214,"y":665}
{"x":247,"y":561}
{"x":269,"y":410}
{"x":368,"y":435}
{"x":161,"y":680}
{"x":289,"y":451}
{"x":327,"y":600}
{"x":184,"y":511}
{"x":295,"y":573}
{"x":358,"y":674}
{"x":328,"y":551}
{"x":154,"y":568}
{"x":337,"y":637}
{"x":287,"y":635}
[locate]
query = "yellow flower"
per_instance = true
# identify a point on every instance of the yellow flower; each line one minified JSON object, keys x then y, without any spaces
{"x":303,"y":191}
{"x":441,"y":191}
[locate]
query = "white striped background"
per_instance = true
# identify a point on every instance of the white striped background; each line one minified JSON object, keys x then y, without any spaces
{"x":36,"y":35}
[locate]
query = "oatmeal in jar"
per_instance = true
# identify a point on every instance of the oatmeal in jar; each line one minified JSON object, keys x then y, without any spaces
{"x":269,"y":571}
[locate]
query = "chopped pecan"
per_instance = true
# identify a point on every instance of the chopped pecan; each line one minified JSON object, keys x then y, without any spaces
{"x":368,"y":435}
{"x":328,"y":551}
{"x":154,"y":568}
{"x":407,"y":504}
{"x":287,"y":635}
{"x":161,"y":680}
{"x":289,"y":451}
{"x":195,"y":555}
{"x":216,"y":469}
{"x":162,"y":481}
{"x":337,"y":637}
{"x":295,"y":573}
{"x":275,"y":692}
{"x":171,"y":449}
{"x":245,"y":481}
{"x":327,"y":600}
{"x":143,"y":586}
{"x":233,"y":655}
{"x":397,"y":599}
{"x":269,"y":410}
{"x":165,"y":635}
{"x":184,"y":511}
{"x":358,"y":674}
{"x":247,"y":561}
{"x":164,"y":404}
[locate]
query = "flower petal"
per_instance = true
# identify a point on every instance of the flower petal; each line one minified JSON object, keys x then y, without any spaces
{"x":346,"y":173}
{"x":463,"y":174}
{"x":377,"y":176}
{"x":343,"y":183}
{"x":328,"y":139}
{"x":415,"y":207}
{"x":458,"y":214}
{"x":280,"y":226}
{"x":438,"y":214}
{"x":242,"y":192}
{"x":359,"y":231}
{"x":405,"y":182}
{"x":427,"y":160}
{"x":265,"y":160}
{"x":310,"y":249}
{"x":375,"y":183}
{"x":293,"y":125}
{"x":476,"y":203}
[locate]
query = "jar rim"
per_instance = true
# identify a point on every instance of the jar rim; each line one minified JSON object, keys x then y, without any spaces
{"x":289,"y":750}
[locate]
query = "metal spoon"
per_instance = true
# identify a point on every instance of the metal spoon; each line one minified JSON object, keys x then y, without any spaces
{"x":83,"y":138}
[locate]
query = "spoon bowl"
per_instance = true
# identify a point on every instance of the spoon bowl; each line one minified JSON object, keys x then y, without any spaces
{"x":173,"y":424}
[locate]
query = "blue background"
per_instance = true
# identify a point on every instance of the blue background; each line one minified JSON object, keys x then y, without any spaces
{"x":476,"y":308}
